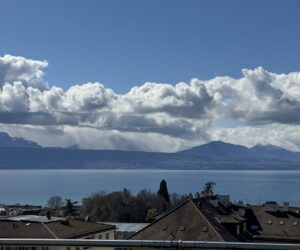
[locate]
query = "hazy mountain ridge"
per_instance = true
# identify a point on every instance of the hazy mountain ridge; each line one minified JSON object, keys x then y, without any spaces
{"x":7,"y":141}
{"x":222,"y":149}
{"x":18,"y":153}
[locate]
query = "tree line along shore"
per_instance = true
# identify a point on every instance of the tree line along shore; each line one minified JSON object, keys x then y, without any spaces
{"x":122,"y":206}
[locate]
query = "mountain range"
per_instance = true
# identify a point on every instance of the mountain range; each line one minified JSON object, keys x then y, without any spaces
{"x":18,"y":153}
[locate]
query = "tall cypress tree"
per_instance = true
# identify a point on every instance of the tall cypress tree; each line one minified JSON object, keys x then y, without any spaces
{"x":163,"y":191}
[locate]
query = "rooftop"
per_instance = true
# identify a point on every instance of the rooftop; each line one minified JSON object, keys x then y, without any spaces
{"x":41,"y":227}
{"x":214,"y":218}
{"x":189,"y":221}
{"x":277,"y":225}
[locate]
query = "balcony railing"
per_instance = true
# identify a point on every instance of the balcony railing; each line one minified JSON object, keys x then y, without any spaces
{"x":144,"y":244}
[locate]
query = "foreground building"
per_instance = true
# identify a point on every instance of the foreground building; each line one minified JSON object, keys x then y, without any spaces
{"x":43,"y":227}
{"x":273,"y":223}
{"x":215,"y":218}
{"x":195,"y":219}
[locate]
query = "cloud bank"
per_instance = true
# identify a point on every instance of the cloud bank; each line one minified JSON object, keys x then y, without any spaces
{"x":153,"y":116}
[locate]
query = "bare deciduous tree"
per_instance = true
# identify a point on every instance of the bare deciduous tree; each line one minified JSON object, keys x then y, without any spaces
{"x":55,"y":202}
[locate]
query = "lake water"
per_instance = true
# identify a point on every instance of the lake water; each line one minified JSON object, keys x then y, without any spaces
{"x":36,"y":186}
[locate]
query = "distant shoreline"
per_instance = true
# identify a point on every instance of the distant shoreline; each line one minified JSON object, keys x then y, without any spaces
{"x":151,"y":170}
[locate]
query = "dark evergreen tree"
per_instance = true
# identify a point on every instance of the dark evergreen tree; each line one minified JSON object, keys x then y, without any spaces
{"x":70,"y":209}
{"x":163,"y":191}
{"x":209,"y":188}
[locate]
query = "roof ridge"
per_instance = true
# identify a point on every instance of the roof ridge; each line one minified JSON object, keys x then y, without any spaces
{"x":166,"y":214}
{"x":49,"y":230}
{"x":94,"y":231}
{"x":98,"y":227}
{"x":221,"y":238}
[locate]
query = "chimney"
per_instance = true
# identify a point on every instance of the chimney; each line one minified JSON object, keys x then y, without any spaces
{"x":65,"y":222}
{"x":48,"y":215}
{"x":285,"y":207}
{"x":271,"y":206}
{"x":241,"y":211}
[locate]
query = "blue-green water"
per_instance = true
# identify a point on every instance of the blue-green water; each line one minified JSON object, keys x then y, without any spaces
{"x":36,"y":186}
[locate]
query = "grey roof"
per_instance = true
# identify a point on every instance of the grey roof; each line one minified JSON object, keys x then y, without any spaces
{"x":77,"y":229}
{"x":34,"y":227}
{"x":10,"y":229}
{"x":226,"y":219}
{"x":276,"y":226}
{"x":186,"y":222}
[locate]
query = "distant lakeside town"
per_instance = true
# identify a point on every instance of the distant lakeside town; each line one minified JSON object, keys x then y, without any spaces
{"x":203,"y":216}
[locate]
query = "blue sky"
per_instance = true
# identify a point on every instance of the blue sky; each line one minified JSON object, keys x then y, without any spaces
{"x":236,"y":62}
{"x":126,"y":43}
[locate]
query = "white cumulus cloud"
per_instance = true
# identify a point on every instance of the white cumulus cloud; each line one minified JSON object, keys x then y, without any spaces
{"x":153,"y":116}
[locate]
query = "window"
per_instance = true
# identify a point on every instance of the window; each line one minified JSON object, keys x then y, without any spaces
{"x":254,"y":227}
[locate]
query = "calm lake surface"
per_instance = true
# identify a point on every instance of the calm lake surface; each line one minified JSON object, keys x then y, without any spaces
{"x":36,"y":186}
